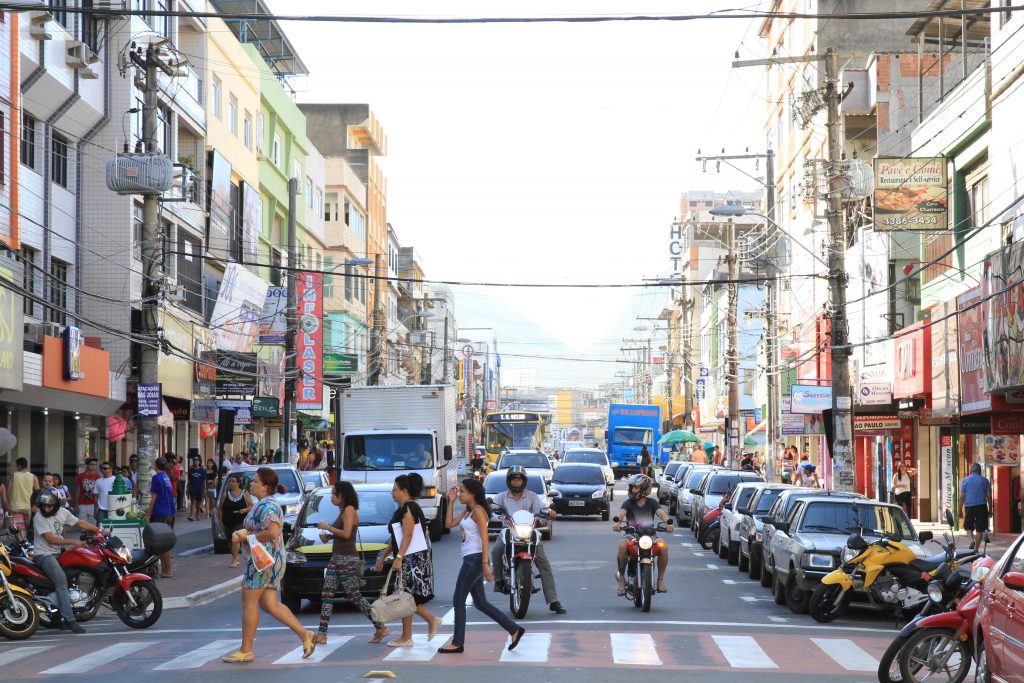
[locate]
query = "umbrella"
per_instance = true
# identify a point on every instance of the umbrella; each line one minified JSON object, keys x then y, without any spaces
{"x":680,"y":436}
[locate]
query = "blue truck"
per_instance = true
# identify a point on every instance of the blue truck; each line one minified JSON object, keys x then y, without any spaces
{"x":630,"y":427}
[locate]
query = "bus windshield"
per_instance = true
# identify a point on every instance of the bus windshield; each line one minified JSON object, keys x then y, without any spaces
{"x":510,"y":436}
{"x":389,"y":452}
{"x":634,"y":436}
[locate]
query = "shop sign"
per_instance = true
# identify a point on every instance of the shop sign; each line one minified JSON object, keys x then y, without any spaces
{"x":175,"y":369}
{"x":273,"y":323}
{"x":1002,"y":450}
{"x":204,"y":411}
{"x":874,"y":394}
{"x":913,"y":361}
{"x":808,"y":399}
{"x":946,"y":470}
{"x":265,"y":407}
{"x":945,"y":369}
{"x":95,"y":363}
{"x":340,"y":363}
{"x":73,"y":354}
{"x":1004,"y":318}
{"x":1008,"y":424}
{"x":309,"y":344}
{"x":1014,"y":395}
{"x":243,"y":410}
{"x":236,"y":314}
{"x":975,"y":424}
{"x":910,"y":193}
{"x":796,"y":424}
{"x":149,"y":400}
{"x":874,"y":424}
{"x":236,"y":374}
{"x":974,"y":396}
{"x":701,"y":389}
{"x":204,"y":366}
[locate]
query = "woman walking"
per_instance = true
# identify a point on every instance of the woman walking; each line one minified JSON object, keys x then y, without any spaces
{"x":196,"y":488}
{"x":345,"y":562}
{"x":211,"y":486}
{"x":259,"y":588}
{"x":417,"y":571}
{"x":476,"y":565}
{"x":237,"y":504}
{"x":901,"y":486}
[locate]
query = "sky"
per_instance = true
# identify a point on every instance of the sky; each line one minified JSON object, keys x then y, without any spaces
{"x":544,"y":153}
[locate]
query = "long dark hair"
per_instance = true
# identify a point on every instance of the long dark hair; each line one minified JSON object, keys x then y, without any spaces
{"x":476,"y":487}
{"x":411,"y":483}
{"x":347,"y":493}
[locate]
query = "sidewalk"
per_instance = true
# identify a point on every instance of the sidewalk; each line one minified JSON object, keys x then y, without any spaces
{"x":998,"y":543}
{"x":199,"y":575}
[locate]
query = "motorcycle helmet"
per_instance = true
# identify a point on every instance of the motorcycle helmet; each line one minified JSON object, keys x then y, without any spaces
{"x":643,"y":486}
{"x":48,"y":496}
{"x":516,"y":471}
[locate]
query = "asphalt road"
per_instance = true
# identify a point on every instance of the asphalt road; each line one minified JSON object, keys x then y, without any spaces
{"x":714,"y":624}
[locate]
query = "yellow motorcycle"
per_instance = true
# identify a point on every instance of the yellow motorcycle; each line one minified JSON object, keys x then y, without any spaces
{"x":18,"y":617}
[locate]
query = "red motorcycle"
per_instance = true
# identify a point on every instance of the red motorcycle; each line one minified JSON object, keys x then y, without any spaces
{"x":97,"y":575}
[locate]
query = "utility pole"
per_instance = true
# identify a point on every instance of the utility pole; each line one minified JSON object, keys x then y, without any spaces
{"x":771,"y":325}
{"x":842,"y":391}
{"x":444,"y":350}
{"x":732,"y":362}
{"x":376,"y":350}
{"x":291,"y":364}
{"x":686,"y":343}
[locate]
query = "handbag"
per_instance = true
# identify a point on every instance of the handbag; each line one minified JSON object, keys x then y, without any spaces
{"x":395,"y":606}
{"x":261,"y":559}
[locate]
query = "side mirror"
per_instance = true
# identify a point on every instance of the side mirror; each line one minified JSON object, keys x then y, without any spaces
{"x":1014,"y":580}
{"x":768,"y":521}
{"x":743,"y":511}
{"x":926,"y":536}
{"x":949,"y":518}
{"x":554,"y":494}
{"x":782,"y":526}
{"x":610,"y":484}
{"x":309,"y":488}
{"x":447,"y":453}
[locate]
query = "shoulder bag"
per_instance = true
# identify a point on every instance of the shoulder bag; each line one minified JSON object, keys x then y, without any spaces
{"x":394,"y":606}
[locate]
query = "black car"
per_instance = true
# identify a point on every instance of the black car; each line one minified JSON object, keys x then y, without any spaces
{"x":582,"y":490}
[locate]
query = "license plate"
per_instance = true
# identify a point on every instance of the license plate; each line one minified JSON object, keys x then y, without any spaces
{"x":576,"y":503}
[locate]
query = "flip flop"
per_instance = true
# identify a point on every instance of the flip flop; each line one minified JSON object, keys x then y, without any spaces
{"x":238,"y":658}
{"x":379,"y":636}
{"x":400,"y":643}
{"x":435,"y":625}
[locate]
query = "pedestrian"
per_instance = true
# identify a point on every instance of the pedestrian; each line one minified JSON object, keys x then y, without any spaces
{"x":161,"y":508}
{"x":133,"y":469}
{"x":103,"y":486}
{"x":901,"y":486}
{"x":416,"y":568}
{"x":20,"y":489}
{"x":259,"y":588}
{"x":716,"y":456}
{"x":87,"y":491}
{"x":344,"y":566}
{"x":975,"y":503}
{"x":196,"y":489}
{"x":178,"y":477}
{"x":645,"y":460}
{"x":808,"y":473}
{"x":476,"y":565}
{"x":236,"y":505}
{"x":211,"y":486}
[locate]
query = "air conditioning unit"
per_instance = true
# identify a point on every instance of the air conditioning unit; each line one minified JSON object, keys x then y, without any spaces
{"x":79,"y":55}
{"x":37,"y":25}
{"x":34,"y":332}
{"x":118,"y":6}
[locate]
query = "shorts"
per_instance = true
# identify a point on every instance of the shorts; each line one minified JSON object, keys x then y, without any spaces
{"x":976,"y":518}
{"x":163,"y":519}
{"x":196,"y":496}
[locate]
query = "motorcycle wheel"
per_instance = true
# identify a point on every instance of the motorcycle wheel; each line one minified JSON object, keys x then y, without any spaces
{"x":646,"y":587}
{"x":889,"y":664}
{"x":82,"y":617}
{"x":919,"y":657}
{"x":149,"y":605}
{"x":828,"y":603}
{"x":18,"y":618}
{"x":709,"y":540}
{"x":519,"y":598}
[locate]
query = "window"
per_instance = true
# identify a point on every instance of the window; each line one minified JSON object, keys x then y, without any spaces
{"x":163,"y":129}
{"x":190,"y":270}
{"x":978,"y":191}
{"x":59,"y":15}
{"x":275,"y":268}
{"x":349,"y":283}
{"x":137,"y":119}
{"x":90,"y":28}
{"x":58,"y":291}
{"x":1007,"y":15}
{"x":331,"y":207}
{"x":259,"y":132}
{"x":137,"y":231}
{"x":161,"y":23}
{"x":247,"y":130}
{"x":215,"y":96}
{"x":233,"y":114}
{"x":59,"y":160}
{"x":319,"y":202}
{"x":28,"y":141}
{"x":309,"y":193}
{"x":29,"y":257}
{"x":275,"y":152}
{"x":329,"y":278}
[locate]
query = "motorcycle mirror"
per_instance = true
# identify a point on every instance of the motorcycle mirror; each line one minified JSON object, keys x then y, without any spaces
{"x":924,"y":537}
{"x":615,"y":519}
{"x":949,"y":518}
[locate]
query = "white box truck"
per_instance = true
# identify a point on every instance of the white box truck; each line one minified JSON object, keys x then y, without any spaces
{"x":386,"y":431}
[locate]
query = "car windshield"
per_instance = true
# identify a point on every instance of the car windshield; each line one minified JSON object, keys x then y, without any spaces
{"x":578,"y":475}
{"x":495,"y":484}
{"x":389,"y":452}
{"x":849,"y":517}
{"x":592,"y":457}
{"x":694,"y":478}
{"x":375,"y":507}
{"x":286,"y":478}
{"x":723,"y":483}
{"x":528,"y":460}
{"x":767,"y":499}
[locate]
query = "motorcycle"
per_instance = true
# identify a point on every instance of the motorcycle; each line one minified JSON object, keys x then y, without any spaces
{"x":642,"y":546}
{"x":97,"y":575}
{"x":521,"y":540}
{"x":710,"y":530}
{"x":18,"y":617}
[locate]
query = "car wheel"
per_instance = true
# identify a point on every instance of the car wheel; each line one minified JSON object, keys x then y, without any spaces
{"x":778,"y":590}
{"x":742,"y":563}
{"x":797,"y":598}
{"x":982,"y":674}
{"x":605,"y":516}
{"x":766,"y":576}
{"x":733,"y":552}
{"x":753,"y":566}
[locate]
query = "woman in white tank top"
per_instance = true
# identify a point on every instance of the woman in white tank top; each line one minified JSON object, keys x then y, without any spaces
{"x":476,"y":565}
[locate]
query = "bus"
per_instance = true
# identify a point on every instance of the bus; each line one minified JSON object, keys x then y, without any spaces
{"x":508,"y":429}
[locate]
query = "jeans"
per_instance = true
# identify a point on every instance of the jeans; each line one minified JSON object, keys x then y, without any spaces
{"x":540,"y":559}
{"x":471,"y":582}
{"x":53,"y":570}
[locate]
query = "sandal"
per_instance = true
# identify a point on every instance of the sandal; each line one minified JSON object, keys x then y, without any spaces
{"x":435,"y":625}
{"x":400,"y":643}
{"x":237,"y":658}
{"x":380,"y":635}
{"x":308,"y":644}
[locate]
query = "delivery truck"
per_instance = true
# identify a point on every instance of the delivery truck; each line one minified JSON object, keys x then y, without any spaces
{"x":630,"y":428}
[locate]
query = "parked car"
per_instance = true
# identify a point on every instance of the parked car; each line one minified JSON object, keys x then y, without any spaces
{"x":314,"y":479}
{"x":594,"y":456}
{"x":750,"y":528}
{"x":729,"y":536}
{"x":715,"y":486}
{"x":674,"y":484}
{"x":290,"y":501}
{"x":998,"y":625}
{"x":495,"y":483}
{"x":582,"y":490}
{"x":684,"y":500}
{"x":816,"y":535}
{"x":535,"y":462}
{"x":307,"y":556}
{"x":665,"y":479}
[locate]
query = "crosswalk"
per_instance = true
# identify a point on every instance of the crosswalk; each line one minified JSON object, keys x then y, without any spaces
{"x":664,"y":649}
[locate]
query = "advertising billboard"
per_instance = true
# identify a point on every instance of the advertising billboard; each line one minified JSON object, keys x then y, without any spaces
{"x":252,"y":221}
{"x":945,"y":368}
{"x":974,"y":396}
{"x":273,"y":323}
{"x":809,"y":399}
{"x":236,"y":314}
{"x":309,"y":342}
{"x":236,"y":374}
{"x":910,"y":193}
{"x":1004,"y":308}
{"x":221,"y":211}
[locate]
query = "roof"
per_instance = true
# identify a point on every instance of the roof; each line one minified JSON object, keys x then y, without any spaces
{"x":266,"y":34}
{"x":978,"y":25}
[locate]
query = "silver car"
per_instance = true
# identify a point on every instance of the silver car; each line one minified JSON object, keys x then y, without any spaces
{"x":290,"y":501}
{"x":729,"y":536}
{"x":684,"y":500}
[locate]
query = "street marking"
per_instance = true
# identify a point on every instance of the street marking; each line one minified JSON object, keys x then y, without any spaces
{"x":421,"y":650}
{"x":779,"y":620}
{"x":846,"y":654}
{"x":751,"y":598}
{"x":449,"y":617}
{"x":697,"y":553}
{"x":197,"y":658}
{"x":729,"y":582}
{"x":98,"y":658}
{"x":634,"y":648}
{"x":743,"y":652}
{"x":21,"y":653}
{"x":712,"y":566}
{"x":321,"y":652}
{"x":688,"y":545}
{"x":533,"y":647}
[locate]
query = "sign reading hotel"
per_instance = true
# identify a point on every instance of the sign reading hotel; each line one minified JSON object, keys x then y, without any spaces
{"x":309,"y":344}
{"x":910,"y":194}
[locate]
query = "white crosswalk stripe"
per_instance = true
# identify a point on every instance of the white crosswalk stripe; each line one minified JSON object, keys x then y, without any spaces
{"x":532,"y":647}
{"x":846,"y":654}
{"x":321,"y":652}
{"x":422,"y":650}
{"x":98,"y":658}
{"x":743,"y":652}
{"x":21,"y":653}
{"x":635,"y":649}
{"x":196,"y":658}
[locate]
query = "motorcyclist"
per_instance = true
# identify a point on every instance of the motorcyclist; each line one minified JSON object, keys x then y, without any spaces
{"x":517,"y":498}
{"x":48,"y":523}
{"x":641,"y":510}
{"x":476,"y":464}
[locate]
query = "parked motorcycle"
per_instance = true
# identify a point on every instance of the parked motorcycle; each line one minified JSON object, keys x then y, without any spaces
{"x":642,"y":546}
{"x":18,"y":617}
{"x":521,"y":540}
{"x":710,"y":530}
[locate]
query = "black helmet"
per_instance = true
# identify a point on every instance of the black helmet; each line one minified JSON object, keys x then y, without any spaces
{"x":643,"y":484}
{"x":48,"y":496}
{"x":516,"y":471}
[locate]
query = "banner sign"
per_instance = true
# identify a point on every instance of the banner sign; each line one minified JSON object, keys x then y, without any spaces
{"x":236,"y":374}
{"x":204,"y":411}
{"x":273,"y":322}
{"x":204,"y":377}
{"x":243,"y":410}
{"x":149,"y":400}
{"x":874,"y":424}
{"x":236,"y":314}
{"x":309,"y":345}
{"x":1002,"y":450}
{"x":340,"y":363}
{"x":794,"y":424}
{"x":910,"y":194}
{"x":73,"y":353}
{"x":974,"y":396}
{"x":264,"y":407}
{"x":946,"y":471}
{"x":808,"y":399}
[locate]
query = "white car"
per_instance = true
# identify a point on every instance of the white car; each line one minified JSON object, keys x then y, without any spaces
{"x":593,"y":456}
{"x":535,"y":463}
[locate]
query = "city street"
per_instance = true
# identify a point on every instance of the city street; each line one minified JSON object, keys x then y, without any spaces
{"x":713,"y":624}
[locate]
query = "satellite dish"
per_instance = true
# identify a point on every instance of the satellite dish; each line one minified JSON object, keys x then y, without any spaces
{"x":7,"y":440}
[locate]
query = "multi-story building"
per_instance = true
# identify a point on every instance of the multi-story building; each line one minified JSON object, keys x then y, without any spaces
{"x":442,"y":330}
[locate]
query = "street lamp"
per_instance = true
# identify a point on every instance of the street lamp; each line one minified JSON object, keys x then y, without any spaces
{"x":738,"y":210}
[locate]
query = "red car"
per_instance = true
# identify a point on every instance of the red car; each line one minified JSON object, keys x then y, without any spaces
{"x":999,"y":625}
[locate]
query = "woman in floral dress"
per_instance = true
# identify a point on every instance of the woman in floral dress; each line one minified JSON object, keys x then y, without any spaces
{"x":259,"y":588}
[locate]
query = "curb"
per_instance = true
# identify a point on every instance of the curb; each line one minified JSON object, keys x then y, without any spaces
{"x":204,"y":596}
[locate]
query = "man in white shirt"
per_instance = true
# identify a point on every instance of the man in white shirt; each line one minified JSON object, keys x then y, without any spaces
{"x":236,"y":463}
{"x":102,"y":487}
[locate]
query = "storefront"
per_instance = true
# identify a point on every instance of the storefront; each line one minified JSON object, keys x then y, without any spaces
{"x":911,"y":389}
